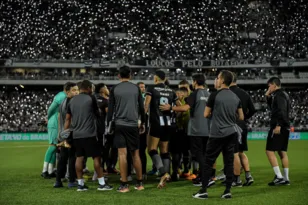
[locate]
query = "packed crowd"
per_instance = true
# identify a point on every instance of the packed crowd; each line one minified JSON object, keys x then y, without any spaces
{"x":298,"y":115}
{"x":26,"y":111}
{"x":139,"y":29}
{"x":144,"y":74}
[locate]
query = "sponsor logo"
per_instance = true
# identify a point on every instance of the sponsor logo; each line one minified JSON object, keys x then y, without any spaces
{"x":23,"y":136}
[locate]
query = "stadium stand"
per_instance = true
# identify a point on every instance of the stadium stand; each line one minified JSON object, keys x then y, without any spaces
{"x":25,"y":111}
{"x":74,"y":30}
{"x":138,"y":29}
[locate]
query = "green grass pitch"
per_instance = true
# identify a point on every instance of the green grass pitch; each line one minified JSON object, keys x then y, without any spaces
{"x":21,"y":183}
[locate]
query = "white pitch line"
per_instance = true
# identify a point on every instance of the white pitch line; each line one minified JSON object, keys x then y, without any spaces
{"x":27,"y":146}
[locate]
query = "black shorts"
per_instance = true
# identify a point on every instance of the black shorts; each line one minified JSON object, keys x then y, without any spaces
{"x":237,"y":144}
{"x":126,"y":137}
{"x":278,"y":142}
{"x":179,"y":142}
{"x":87,"y":147}
{"x":243,"y":146}
{"x":109,"y":139}
{"x":161,"y":132}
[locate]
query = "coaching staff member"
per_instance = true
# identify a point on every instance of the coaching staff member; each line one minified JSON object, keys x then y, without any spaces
{"x":278,"y":136}
{"x":126,"y":104}
{"x":223,"y":107}
{"x":82,"y":113}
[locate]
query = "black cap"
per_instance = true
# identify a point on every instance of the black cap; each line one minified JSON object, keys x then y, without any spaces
{"x":161,"y":74}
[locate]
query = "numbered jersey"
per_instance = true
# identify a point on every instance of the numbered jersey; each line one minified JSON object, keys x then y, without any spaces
{"x":161,"y":95}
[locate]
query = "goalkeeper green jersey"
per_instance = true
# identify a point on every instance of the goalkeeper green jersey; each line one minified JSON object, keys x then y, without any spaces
{"x":53,"y":110}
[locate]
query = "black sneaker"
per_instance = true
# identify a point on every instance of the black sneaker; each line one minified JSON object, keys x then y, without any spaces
{"x":226,"y":195}
{"x":82,"y":188}
{"x":249,"y":181}
{"x":221,"y":176}
{"x":277,"y":181}
{"x":58,"y":185}
{"x":174,"y":177}
{"x":72,"y":185}
{"x":197,"y":182}
{"x":286,"y":182}
{"x":45,"y":175}
{"x":53,"y":175}
{"x":105,"y":187}
{"x":211,"y":183}
{"x":237,"y":184}
{"x":201,"y":194}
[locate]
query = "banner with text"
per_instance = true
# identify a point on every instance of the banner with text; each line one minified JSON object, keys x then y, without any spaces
{"x":44,"y":136}
{"x":23,"y":136}
{"x":263,"y":135}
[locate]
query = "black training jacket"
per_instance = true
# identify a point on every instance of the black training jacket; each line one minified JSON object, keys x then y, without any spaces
{"x":279,"y":103}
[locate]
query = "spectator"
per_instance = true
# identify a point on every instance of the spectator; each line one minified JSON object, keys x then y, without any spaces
{"x":170,"y":29}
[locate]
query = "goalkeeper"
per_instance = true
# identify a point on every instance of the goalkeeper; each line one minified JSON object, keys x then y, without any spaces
{"x":52,"y":128}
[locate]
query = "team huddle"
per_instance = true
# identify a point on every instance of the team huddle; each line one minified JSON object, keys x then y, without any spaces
{"x":183,"y":132}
